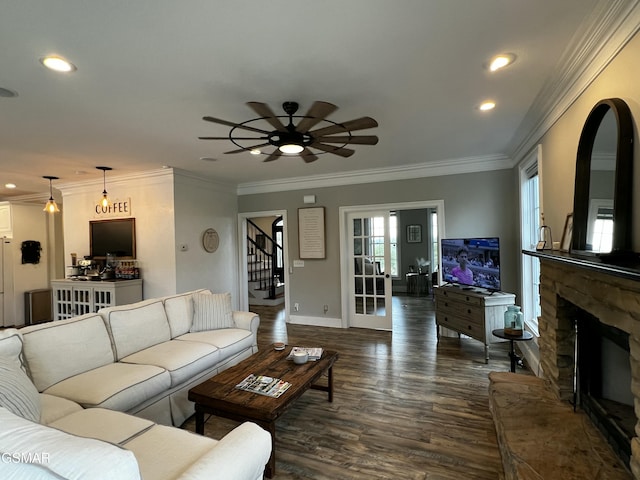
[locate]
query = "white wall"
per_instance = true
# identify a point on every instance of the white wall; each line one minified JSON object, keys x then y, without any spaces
{"x":29,"y":223}
{"x":151,"y":203}
{"x":199,"y":205}
{"x":172,"y":208}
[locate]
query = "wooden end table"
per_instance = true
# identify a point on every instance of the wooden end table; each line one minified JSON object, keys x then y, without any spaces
{"x":218,"y":395}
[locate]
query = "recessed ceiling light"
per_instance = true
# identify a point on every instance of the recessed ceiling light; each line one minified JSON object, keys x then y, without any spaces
{"x":255,"y":151}
{"x":10,"y":185}
{"x":208,"y":159}
{"x":501,"y":61}
{"x":485,"y":106}
{"x":58,"y":64}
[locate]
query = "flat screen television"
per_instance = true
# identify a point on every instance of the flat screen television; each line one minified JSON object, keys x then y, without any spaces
{"x":481,"y":259}
{"x":117,"y":237}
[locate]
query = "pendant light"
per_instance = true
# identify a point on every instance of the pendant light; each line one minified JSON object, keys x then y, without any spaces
{"x":51,"y":205}
{"x":105,"y":199}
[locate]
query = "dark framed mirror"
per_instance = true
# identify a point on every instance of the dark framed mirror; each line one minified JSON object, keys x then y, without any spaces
{"x":603,"y":183}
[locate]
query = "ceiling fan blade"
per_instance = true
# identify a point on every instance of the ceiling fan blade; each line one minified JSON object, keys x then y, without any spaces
{"x":248,"y":149}
{"x":318,"y":112}
{"x":265,"y":111}
{"x":308,"y":156}
{"x":357,"y":139}
{"x":235,"y":138}
{"x":274,"y":156}
{"x":350,"y":126}
{"x":236,"y":125}
{"x":343,"y":152}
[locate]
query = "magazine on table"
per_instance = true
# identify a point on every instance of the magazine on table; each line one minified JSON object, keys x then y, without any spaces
{"x":314,"y":352}
{"x":269,"y":386}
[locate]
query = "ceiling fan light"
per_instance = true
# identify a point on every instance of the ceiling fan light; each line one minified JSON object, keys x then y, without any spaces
{"x":291,"y":148}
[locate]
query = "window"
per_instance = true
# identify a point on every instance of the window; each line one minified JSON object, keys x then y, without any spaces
{"x":393,"y":243}
{"x":530,"y":218}
{"x":434,"y":240}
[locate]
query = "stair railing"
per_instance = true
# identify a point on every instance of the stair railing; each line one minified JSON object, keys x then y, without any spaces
{"x":263,"y":250}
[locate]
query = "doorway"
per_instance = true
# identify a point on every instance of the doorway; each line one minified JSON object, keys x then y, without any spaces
{"x":278,"y":220}
{"x":354,"y":303}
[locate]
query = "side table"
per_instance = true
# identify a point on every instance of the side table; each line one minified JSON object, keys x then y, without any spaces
{"x":525,"y":337}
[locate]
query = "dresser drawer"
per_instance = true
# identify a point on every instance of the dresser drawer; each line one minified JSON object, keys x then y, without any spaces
{"x":461,"y":297}
{"x":460,"y":309}
{"x":465,"y":326}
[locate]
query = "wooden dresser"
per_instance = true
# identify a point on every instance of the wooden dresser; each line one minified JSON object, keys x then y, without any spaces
{"x":472,"y":312}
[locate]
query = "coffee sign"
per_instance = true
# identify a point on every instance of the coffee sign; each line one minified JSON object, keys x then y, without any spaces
{"x":116,"y":208}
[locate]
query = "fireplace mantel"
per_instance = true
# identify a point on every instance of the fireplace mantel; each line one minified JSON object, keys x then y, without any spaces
{"x":630,"y":270}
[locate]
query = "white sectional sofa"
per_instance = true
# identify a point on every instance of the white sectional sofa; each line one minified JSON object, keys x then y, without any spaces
{"x":110,"y":384}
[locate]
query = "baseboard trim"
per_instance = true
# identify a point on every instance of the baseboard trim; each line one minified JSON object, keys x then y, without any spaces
{"x":315,"y":321}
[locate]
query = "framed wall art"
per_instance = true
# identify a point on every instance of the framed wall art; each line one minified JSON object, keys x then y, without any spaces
{"x":414,"y":233}
{"x":311,"y":234}
{"x":565,"y":245}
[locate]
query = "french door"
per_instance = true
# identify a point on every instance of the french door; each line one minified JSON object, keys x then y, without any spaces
{"x":369,"y":270}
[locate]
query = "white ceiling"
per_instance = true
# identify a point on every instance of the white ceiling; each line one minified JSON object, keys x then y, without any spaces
{"x":149,"y":70}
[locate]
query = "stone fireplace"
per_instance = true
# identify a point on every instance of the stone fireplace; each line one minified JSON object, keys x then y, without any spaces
{"x":573,"y":288}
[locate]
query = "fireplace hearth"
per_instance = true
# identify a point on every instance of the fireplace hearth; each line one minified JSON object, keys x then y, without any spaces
{"x":603,"y":302}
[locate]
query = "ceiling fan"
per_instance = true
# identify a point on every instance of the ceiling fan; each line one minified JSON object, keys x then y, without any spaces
{"x":332,"y":137}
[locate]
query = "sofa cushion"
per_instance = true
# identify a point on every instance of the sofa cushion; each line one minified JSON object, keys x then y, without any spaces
{"x":165,"y":452}
{"x":211,"y":311}
{"x":11,"y":346}
{"x":183,"y":360}
{"x":179,"y":310}
{"x":117,"y":386}
{"x":58,"y":350}
{"x":17,"y":393}
{"x":37,"y":450}
{"x":101,"y":424}
{"x":137,"y":326}
{"x":228,"y":340}
{"x":52,"y":408}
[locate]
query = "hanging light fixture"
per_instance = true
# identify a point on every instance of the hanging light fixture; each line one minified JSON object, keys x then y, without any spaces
{"x":51,"y":205}
{"x":105,"y":199}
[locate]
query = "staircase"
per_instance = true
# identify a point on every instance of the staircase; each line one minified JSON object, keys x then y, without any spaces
{"x":264,"y":287}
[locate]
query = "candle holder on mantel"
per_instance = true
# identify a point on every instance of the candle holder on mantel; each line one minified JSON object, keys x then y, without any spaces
{"x":546,"y":240}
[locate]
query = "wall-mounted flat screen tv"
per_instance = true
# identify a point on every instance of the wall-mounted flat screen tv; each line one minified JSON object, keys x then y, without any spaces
{"x":471,"y":261}
{"x":117,"y":237}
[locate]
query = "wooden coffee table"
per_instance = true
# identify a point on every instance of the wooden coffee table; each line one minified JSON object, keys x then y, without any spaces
{"x":218,"y":395}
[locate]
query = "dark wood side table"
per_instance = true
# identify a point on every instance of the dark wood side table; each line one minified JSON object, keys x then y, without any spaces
{"x":525,"y":337}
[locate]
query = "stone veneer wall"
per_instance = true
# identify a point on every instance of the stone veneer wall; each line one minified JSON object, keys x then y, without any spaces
{"x":612,"y":299}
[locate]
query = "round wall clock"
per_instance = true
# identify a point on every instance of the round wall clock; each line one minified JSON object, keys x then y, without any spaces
{"x":210,"y":240}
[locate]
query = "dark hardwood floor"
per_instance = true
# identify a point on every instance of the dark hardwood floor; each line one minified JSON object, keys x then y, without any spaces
{"x":405,"y":405}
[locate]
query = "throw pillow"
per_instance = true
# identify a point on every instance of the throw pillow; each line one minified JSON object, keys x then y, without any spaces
{"x":211,"y":311}
{"x":11,"y":346}
{"x":17,"y":393}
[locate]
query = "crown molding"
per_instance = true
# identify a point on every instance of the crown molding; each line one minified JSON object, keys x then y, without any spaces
{"x":609,"y":28}
{"x":431,"y":169}
{"x":149,"y":177}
